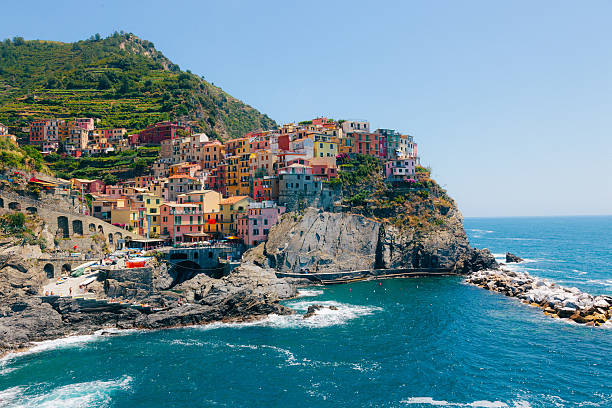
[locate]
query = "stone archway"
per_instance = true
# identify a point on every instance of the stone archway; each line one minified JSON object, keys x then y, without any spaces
{"x":92,"y":228}
{"x":1,"y":202}
{"x":62,"y":225}
{"x":31,"y":210}
{"x":110,"y":238}
{"x":77,"y":227}
{"x":118,"y":237}
{"x":100,"y":229}
{"x":66,"y":269}
{"x":15,"y":206}
{"x":49,"y":271}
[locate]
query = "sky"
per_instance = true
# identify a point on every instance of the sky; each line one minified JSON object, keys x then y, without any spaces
{"x":510,"y":102}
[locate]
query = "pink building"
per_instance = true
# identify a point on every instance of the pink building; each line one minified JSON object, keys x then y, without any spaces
{"x":114,"y":191}
{"x":258,"y":141}
{"x":85,"y":123}
{"x":400,"y":169}
{"x":254,"y":226}
{"x":88,"y":186}
{"x":181,"y":222}
{"x":382,"y":146}
{"x":324,"y":167}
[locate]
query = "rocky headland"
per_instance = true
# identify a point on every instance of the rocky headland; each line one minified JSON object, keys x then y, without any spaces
{"x":246,"y":294}
{"x":557,"y":301}
{"x":320,"y":241}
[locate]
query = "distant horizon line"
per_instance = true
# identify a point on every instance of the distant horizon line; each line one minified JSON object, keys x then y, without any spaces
{"x":539,"y":216}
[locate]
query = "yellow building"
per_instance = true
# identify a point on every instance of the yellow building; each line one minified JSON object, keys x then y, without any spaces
{"x":324,"y":145}
{"x":230,"y":209}
{"x":125,"y":218}
{"x":244,"y":174}
{"x":208,"y":201}
{"x":231,"y":175}
{"x":152,"y":204}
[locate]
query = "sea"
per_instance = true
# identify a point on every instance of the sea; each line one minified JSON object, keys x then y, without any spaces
{"x":417,"y":342}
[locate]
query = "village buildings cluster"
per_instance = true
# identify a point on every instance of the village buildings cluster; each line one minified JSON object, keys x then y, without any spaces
{"x":200,"y":188}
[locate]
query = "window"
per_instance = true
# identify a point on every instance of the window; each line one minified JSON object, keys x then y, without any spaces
{"x":265,"y":221}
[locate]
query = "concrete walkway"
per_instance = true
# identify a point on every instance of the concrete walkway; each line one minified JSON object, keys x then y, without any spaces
{"x":64,"y":288}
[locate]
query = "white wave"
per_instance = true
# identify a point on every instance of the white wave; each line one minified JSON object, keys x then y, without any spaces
{"x":64,"y":342}
{"x":604,"y":282}
{"x":322,"y":318}
{"x":309,"y":292}
{"x":79,"y":395}
{"x":9,"y":395}
{"x":5,"y":371}
{"x":475,"y":404}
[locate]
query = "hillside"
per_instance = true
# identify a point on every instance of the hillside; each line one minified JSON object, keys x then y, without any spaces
{"x":122,"y":80}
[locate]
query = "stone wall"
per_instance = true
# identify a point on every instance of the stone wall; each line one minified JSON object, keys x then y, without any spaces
{"x":63,"y":224}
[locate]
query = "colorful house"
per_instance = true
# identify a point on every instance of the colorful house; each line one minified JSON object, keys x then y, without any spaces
{"x":179,"y":184}
{"x":265,"y":188}
{"x":87,"y":186}
{"x":399,"y":170}
{"x":230,"y":210}
{"x":254,"y":225}
{"x":208,"y":201}
{"x":181,"y":222}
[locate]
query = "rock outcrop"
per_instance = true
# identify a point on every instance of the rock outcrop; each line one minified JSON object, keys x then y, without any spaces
{"x":249,"y":292}
{"x":319,"y":241}
{"x":511,"y":258}
{"x":556,"y":300}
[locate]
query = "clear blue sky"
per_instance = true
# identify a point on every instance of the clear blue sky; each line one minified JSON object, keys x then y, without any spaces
{"x":510,"y":102}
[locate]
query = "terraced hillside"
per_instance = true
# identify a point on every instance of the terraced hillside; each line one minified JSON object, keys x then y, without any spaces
{"x":122,"y":80}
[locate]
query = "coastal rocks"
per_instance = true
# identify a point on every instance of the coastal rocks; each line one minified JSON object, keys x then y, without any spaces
{"x":248,"y":293}
{"x":511,"y":258}
{"x":248,"y":277}
{"x":312,"y":310}
{"x":556,"y":300}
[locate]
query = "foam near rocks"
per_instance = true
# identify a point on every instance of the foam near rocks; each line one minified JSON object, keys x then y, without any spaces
{"x":79,"y":395}
{"x":556,"y":300}
{"x":476,"y":404}
{"x":309,"y":292}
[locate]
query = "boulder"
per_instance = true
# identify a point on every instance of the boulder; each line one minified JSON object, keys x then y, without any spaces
{"x":511,"y":258}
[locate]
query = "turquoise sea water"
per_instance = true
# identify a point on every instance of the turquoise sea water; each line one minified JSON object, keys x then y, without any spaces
{"x":395,"y":343}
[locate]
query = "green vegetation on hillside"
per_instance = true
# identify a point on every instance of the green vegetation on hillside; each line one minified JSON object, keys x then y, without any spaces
{"x":421,"y":205}
{"x":108,"y":167}
{"x":20,"y":158}
{"x":122,"y":80}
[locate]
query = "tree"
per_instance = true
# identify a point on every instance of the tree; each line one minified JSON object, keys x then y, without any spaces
{"x":103,"y":82}
{"x":110,"y":179}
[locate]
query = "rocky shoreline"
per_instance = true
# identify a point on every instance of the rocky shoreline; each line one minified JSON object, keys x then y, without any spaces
{"x":247,"y":294}
{"x":557,"y":301}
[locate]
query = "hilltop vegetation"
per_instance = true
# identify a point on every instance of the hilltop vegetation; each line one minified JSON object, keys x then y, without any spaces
{"x":122,"y":80}
{"x":421,"y":205}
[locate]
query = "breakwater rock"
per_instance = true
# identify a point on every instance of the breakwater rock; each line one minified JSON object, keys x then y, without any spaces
{"x":554,"y":299}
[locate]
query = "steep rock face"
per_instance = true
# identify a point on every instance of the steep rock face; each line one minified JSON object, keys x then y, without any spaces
{"x":319,"y":241}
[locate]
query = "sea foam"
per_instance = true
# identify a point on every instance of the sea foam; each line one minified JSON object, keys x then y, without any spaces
{"x":475,"y":404}
{"x":79,"y":395}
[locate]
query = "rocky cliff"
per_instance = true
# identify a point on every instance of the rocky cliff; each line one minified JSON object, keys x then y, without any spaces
{"x":319,"y":241}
